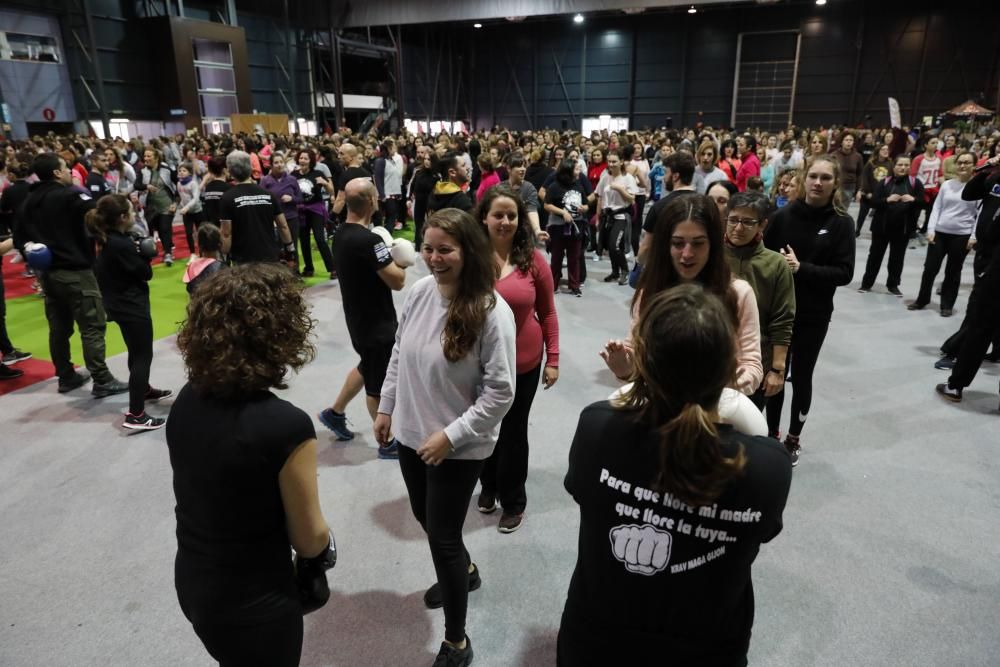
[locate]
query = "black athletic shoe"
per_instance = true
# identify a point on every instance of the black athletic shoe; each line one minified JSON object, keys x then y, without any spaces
{"x":487,"y":503}
{"x":623,"y":280}
{"x":105,"y":389}
{"x":143,"y":422}
{"x":435,"y":600}
{"x":576,"y":292}
{"x":14,"y":356}
{"x":308,"y":273}
{"x":916,"y":306}
{"x":610,"y":278}
{"x":75,"y":381}
{"x":10,"y":373}
{"x":946,"y":390}
{"x":792,"y":445}
{"x":945,"y":363}
{"x":992,"y":357}
{"x":894,"y":291}
{"x":153,"y":395}
{"x":449,"y":656}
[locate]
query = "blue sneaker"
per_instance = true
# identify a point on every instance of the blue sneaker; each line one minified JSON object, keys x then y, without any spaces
{"x":390,"y":451}
{"x":336,"y":423}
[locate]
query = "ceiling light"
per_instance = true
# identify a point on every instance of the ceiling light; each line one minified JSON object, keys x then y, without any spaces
{"x":477,"y":25}
{"x":692,"y":10}
{"x":820,"y":2}
{"x":578,"y":18}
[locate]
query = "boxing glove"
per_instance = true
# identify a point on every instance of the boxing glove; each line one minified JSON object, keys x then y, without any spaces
{"x":38,"y":256}
{"x":147,"y":247}
{"x":310,"y":577}
{"x":384,"y":234}
{"x":403,"y":253}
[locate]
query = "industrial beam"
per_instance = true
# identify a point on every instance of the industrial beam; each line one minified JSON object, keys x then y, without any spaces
{"x":98,"y":74}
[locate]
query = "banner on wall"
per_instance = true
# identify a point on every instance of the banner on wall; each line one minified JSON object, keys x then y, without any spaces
{"x":895,"y":118}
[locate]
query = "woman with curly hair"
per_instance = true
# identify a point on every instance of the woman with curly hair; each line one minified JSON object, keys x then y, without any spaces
{"x":642,"y":579}
{"x":449,"y":384}
{"x":525,"y":283}
{"x":244,"y":464}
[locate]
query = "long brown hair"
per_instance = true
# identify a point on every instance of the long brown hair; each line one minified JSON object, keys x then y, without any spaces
{"x":683,"y":350}
{"x":106,"y":216}
{"x":837,"y":197}
{"x":474,"y":297}
{"x":522,"y":250}
{"x":659,"y":274}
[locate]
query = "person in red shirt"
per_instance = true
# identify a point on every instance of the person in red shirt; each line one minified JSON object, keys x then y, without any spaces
{"x":746,"y":145}
{"x":598,"y":163}
{"x":525,"y":283}
{"x":928,"y":168}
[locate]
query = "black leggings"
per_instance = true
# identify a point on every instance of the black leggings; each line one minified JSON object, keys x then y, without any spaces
{"x":640,"y":204}
{"x":276,"y":643}
{"x":506,"y":471}
{"x":314,"y":223}
{"x":807,"y":340}
{"x":191,"y":223}
{"x":439,"y":498}
{"x":863,"y":209}
{"x":954,"y":247}
{"x":138,"y":335}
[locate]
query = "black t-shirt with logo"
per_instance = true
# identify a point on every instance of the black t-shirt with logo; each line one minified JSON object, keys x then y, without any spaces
{"x":252,"y":210}
{"x":97,"y":185}
{"x":312,"y":191}
{"x":211,"y":195}
{"x":233,"y":561}
{"x":654,"y":574}
{"x":368,"y":309}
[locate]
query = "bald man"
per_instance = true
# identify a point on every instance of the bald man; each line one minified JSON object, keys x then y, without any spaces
{"x":351,"y":159}
{"x":368,"y":275}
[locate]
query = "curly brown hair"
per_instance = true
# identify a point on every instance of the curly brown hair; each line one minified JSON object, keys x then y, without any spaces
{"x":522,"y":252}
{"x":245,"y":328}
{"x":475,"y":297}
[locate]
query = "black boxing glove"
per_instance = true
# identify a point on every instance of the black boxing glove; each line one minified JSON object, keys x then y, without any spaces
{"x":310,"y":577}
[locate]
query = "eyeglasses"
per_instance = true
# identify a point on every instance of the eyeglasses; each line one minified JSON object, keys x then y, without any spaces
{"x":746,"y":222}
{"x":965,"y":162}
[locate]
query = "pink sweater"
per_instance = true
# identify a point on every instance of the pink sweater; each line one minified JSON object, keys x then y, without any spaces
{"x":530,"y":297}
{"x":487,"y":182}
{"x":749,"y":371}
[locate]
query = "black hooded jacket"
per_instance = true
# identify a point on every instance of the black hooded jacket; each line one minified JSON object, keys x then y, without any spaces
{"x":53,"y":214}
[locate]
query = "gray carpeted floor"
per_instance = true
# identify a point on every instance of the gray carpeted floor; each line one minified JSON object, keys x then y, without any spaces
{"x":890,"y":553}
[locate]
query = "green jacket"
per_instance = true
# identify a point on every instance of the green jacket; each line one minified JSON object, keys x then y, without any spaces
{"x":772,"y":284}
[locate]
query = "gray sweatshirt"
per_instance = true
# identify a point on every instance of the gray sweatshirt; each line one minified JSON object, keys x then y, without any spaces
{"x":425,"y":393}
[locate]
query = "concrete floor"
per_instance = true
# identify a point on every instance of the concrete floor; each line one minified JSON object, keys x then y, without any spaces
{"x":889,"y":555}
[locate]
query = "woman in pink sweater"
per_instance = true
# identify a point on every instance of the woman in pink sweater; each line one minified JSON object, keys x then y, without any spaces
{"x":489,"y":176}
{"x":694,"y":250}
{"x":525,"y":283}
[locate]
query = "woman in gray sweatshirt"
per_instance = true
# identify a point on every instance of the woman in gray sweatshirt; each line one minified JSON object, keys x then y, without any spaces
{"x":449,"y":384}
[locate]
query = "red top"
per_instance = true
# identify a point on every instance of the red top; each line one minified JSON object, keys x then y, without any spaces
{"x":530,"y":297}
{"x":594,"y":173}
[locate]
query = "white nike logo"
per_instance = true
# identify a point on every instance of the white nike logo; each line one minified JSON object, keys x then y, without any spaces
{"x":802,"y":416}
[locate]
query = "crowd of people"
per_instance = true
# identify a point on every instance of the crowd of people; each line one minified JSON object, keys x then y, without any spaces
{"x":735,"y":244}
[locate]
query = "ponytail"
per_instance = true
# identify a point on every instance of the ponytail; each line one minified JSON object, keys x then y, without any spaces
{"x":684,"y":357}
{"x":103,"y":218}
{"x":692,"y":465}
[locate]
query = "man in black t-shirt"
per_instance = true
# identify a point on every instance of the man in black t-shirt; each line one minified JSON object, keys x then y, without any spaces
{"x":248,"y":215}
{"x":678,"y":178}
{"x":212,"y":193}
{"x":370,"y":267}
{"x":351,"y":160}
{"x":96,"y":184}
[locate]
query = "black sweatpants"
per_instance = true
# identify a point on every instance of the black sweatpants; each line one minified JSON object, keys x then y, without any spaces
{"x":807,"y":340}
{"x":313,"y":223}
{"x":896,"y":243}
{"x":439,"y":497}
{"x":163,"y":225}
{"x":506,"y":471}
{"x":863,"y":207}
{"x":955,"y":248}
{"x":138,"y":335}
{"x":276,"y":643}
{"x":984,"y":326}
{"x":952,"y":346}
{"x":394,"y":211}
{"x":419,"y":215}
{"x":616,"y":241}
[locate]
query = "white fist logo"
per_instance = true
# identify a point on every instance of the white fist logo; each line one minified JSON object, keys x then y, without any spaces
{"x":643,"y":549}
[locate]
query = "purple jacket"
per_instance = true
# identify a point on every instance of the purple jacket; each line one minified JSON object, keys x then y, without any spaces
{"x":286,"y":185}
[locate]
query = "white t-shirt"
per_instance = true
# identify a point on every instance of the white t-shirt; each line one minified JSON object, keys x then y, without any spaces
{"x":611,"y":198}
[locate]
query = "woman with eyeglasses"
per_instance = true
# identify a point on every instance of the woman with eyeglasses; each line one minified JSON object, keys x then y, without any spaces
{"x":951,"y":233}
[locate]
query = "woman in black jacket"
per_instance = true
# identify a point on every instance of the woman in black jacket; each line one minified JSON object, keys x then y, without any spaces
{"x":123,"y":272}
{"x":877,"y":168}
{"x":816,"y":236}
{"x":897,"y":202}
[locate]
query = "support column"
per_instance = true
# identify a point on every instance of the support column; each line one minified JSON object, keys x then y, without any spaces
{"x":290,"y":57}
{"x":98,"y":75}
